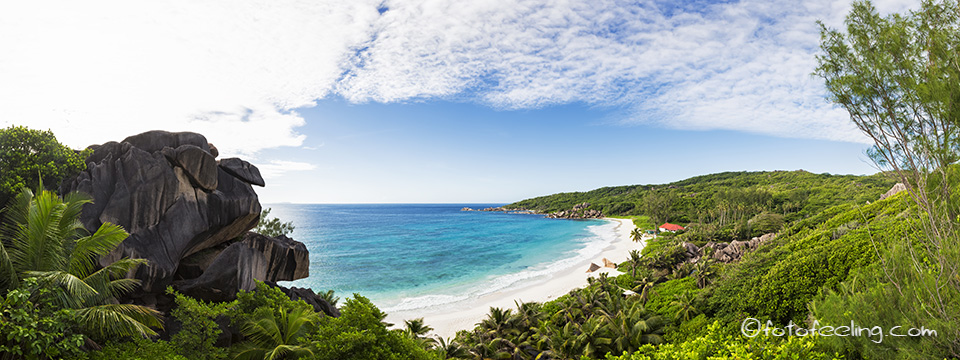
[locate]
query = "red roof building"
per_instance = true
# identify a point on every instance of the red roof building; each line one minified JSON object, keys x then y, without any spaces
{"x":670,"y":227}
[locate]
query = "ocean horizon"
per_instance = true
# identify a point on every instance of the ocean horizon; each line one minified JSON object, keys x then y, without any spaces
{"x":422,"y":257}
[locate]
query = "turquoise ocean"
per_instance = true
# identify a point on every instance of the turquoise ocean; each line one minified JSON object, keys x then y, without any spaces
{"x":417,"y":256}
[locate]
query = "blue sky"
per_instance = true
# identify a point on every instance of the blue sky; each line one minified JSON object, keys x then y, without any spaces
{"x":464,"y":152}
{"x":439,"y":101}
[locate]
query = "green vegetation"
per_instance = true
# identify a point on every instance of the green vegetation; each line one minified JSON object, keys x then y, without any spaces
{"x":272,"y":226}
{"x":47,"y":261}
{"x":275,"y":327}
{"x":840,"y":255}
{"x":897,"y":78}
{"x":27,"y":156}
{"x":725,"y":206}
{"x":681,"y":310}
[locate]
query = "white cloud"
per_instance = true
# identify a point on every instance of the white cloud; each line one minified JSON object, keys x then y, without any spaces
{"x":741,"y":66}
{"x":232,"y":70}
{"x":237,"y":70}
{"x":275,"y":168}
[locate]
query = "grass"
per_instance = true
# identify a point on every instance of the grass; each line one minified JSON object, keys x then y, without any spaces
{"x":643,"y":222}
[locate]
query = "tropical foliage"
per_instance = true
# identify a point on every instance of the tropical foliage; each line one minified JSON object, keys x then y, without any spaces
{"x":45,"y":243}
{"x":29,"y":157}
{"x":897,"y":78}
{"x":725,"y":199}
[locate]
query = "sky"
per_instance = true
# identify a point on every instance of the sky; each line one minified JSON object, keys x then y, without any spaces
{"x":487,"y":101}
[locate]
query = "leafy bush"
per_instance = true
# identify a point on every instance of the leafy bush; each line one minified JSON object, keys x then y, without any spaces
{"x":665,"y":293}
{"x":718,"y":344}
{"x":36,"y":329}
{"x":869,"y":299}
{"x":779,"y":279}
{"x":359,"y":333}
{"x":199,"y":329}
{"x":263,"y":297}
{"x":764,"y":223}
{"x":27,"y":156}
{"x":138,"y":349}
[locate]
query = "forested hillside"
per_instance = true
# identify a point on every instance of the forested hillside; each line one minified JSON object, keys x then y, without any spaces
{"x":725,"y":203}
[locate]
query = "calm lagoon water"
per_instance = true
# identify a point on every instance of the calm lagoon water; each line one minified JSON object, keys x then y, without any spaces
{"x":409,"y":256}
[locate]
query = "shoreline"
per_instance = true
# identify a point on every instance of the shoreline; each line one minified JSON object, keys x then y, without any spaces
{"x":447,"y":322}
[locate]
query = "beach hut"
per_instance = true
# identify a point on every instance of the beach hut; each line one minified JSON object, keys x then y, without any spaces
{"x":593,"y":267}
{"x":609,"y":264}
{"x":670,"y":227}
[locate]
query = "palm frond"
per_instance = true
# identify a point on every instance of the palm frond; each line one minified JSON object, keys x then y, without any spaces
{"x":263,"y":328}
{"x":8,"y":275}
{"x":75,"y":289}
{"x":35,"y":242}
{"x":296,"y":321}
{"x":110,"y":281}
{"x":16,"y":211}
{"x":112,"y":320}
{"x":249,"y":351}
{"x":90,"y":248}
{"x":288,"y":351}
{"x":119,"y":287}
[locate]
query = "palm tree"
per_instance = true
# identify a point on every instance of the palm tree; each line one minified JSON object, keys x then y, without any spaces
{"x":528,"y":314}
{"x":635,"y":258}
{"x":272,"y":337}
{"x":632,"y":326}
{"x":47,"y":241}
{"x":593,"y":337}
{"x":703,"y":271}
{"x":684,"y":303}
{"x":644,"y":287}
{"x":562,"y":340}
{"x":498,"y":323}
{"x":417,"y":330}
{"x":450,"y":349}
{"x":636,"y":235}
{"x":329,"y":297}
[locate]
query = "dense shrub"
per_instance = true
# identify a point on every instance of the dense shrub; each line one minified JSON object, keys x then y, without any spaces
{"x":137,"y":349}
{"x":778,"y":281}
{"x":35,"y":329}
{"x":664,"y":294}
{"x":199,"y":329}
{"x":27,"y":156}
{"x":719,"y":344}
{"x":359,"y":333}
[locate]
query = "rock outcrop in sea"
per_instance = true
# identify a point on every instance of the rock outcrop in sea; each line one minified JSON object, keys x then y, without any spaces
{"x":188,"y":215}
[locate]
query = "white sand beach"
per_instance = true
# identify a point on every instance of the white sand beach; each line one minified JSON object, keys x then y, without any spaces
{"x":467,"y":314}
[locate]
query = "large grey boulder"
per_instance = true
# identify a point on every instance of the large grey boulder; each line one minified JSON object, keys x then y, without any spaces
{"x":309,"y":297}
{"x":725,"y":252}
{"x":167,"y":190}
{"x":256,"y":257}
